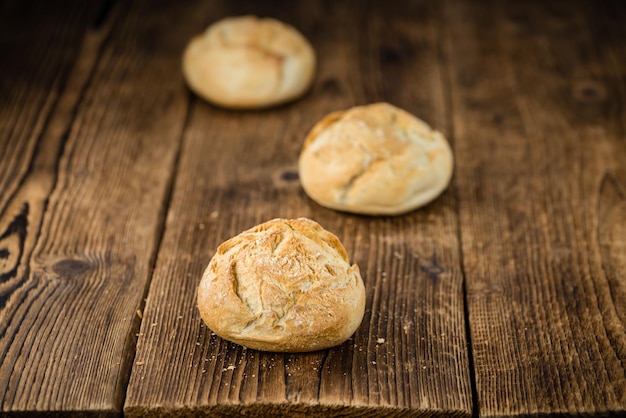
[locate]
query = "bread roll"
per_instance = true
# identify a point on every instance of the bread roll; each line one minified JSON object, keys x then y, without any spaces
{"x":284,"y":285}
{"x":247,"y":62}
{"x":374,"y":160}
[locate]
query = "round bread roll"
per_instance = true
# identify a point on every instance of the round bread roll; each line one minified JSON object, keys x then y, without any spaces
{"x":247,"y":62}
{"x":375,"y":160}
{"x":284,"y":285}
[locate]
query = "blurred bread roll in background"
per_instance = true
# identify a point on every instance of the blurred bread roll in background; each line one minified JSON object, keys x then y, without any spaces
{"x":375,"y":160}
{"x":284,"y":285}
{"x":249,"y":62}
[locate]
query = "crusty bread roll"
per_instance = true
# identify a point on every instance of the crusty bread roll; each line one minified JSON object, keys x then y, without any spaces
{"x":284,"y":285}
{"x":375,"y":160}
{"x":247,"y":62}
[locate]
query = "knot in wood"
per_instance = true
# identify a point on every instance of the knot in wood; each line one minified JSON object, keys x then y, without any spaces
{"x":589,"y":91}
{"x":71,"y":268}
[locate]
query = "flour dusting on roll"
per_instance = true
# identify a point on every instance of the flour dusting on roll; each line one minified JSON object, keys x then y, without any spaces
{"x":285,"y":285}
{"x":249,"y":62}
{"x":375,"y":160}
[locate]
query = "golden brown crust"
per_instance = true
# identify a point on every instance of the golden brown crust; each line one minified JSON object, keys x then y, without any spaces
{"x":248,"y":62}
{"x":375,"y":159}
{"x":284,"y":285}
{"x":321,"y":126}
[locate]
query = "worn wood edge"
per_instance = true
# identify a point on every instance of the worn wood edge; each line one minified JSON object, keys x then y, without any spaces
{"x":291,"y":410}
{"x":599,"y":414}
{"x":62,"y":414}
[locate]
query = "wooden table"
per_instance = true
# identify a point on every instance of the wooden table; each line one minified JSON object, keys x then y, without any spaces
{"x":504,"y":297}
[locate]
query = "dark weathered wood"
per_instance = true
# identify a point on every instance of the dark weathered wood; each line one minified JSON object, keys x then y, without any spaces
{"x":538,"y":95}
{"x":47,"y":56}
{"x":93,"y":110}
{"x":94,"y":117}
{"x":47,"y":60}
{"x":237,"y":169}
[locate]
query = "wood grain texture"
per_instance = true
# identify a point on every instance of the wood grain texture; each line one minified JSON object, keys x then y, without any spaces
{"x":110,"y":169}
{"x":82,"y":208}
{"x":43,"y":74}
{"x":537,"y":96}
{"x":238,"y":169}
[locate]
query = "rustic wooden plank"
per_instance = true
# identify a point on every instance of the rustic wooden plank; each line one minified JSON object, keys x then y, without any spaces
{"x":84,"y":203}
{"x":49,"y":55}
{"x":238,"y":169}
{"x":538,"y":93}
{"x":40,"y":60}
